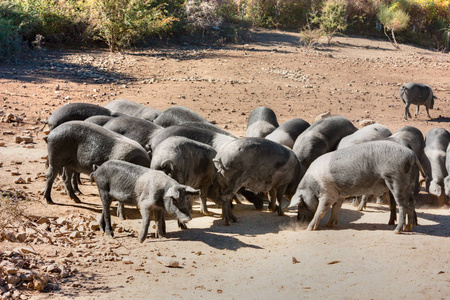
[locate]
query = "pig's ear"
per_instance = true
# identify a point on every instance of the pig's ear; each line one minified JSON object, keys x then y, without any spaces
{"x":218,"y":164}
{"x":296,"y":200}
{"x":191,"y":191}
{"x":172,"y":192}
{"x":167,"y":167}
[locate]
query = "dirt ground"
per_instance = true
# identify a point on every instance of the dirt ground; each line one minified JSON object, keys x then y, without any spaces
{"x":263,"y":256}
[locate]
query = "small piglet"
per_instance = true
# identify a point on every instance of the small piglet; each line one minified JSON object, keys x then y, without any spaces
{"x":153,"y":191}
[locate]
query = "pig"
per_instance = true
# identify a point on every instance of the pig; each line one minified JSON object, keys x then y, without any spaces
{"x":413,"y":139}
{"x":133,"y":109}
{"x":209,"y":127}
{"x":152,"y":190}
{"x":321,"y":137}
{"x":369,"y":133}
{"x":137,"y":129}
{"x":213,"y":139}
{"x":370,"y":168}
{"x":99,"y":120}
{"x":447,"y":166}
{"x":178,"y":115}
{"x":436,"y":143}
{"x":259,"y":165}
{"x":191,"y":163}
{"x":261,"y":122}
{"x":78,"y":145}
{"x":287,"y":133}
{"x":418,"y":94}
{"x":76,"y":111}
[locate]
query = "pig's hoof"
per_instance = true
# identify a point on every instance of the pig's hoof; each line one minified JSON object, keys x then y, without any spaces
{"x":50,"y":201}
{"x":206,"y":213}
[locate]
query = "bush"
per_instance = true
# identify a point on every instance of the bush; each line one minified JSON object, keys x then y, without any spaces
{"x":10,"y":41}
{"x":122,"y":22}
{"x":394,"y":19}
{"x":332,"y":18}
{"x":278,"y":13}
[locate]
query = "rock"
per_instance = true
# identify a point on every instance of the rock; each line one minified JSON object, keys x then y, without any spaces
{"x":169,"y":262}
{"x":19,"y":180}
{"x":12,"y":279}
{"x":40,"y":282}
{"x":25,"y":139}
{"x":10,"y":270}
{"x":75,"y":235}
{"x":366,"y":122}
{"x":127,"y":261}
{"x":94,"y":226}
{"x":322,"y":116}
{"x":24,"y":250}
{"x":53,"y":268}
{"x":21,"y":236}
{"x":11,"y":118}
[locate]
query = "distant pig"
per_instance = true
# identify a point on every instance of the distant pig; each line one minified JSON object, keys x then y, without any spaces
{"x":261,"y":122}
{"x":321,"y":137}
{"x":418,"y":94}
{"x":436,"y":143}
{"x":370,"y":168}
{"x":78,"y":145}
{"x":133,"y":109}
{"x":151,"y":190}
{"x":288,"y":132}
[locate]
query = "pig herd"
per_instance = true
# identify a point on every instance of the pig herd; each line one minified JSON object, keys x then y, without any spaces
{"x":158,"y":160}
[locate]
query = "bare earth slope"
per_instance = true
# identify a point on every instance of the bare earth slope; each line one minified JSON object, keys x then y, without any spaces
{"x":263,"y":256}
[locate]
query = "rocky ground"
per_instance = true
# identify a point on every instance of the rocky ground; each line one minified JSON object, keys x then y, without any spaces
{"x":57,"y":250}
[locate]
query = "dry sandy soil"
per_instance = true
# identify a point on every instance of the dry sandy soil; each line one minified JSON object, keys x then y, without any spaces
{"x":253,"y":259}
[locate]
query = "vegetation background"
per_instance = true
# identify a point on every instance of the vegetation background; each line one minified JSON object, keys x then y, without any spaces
{"x":120,"y":24}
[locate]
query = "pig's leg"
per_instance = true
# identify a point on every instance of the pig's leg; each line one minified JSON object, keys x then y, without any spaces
{"x":272,"y":200}
{"x":363,"y":203}
{"x":160,"y":223}
{"x":203,"y":207}
{"x":428,"y":112}
{"x":407,"y":111}
{"x":145,"y":212}
{"x":320,"y":212}
{"x":279,"y":194}
{"x":392,"y":209}
{"x":75,"y":182}
{"x":105,"y":220}
{"x":355,"y":201}
{"x":68,"y":173}
{"x":121,"y":211}
{"x":50,"y":178}
{"x":335,"y":212}
{"x":417,"y":111}
{"x":227,"y":214}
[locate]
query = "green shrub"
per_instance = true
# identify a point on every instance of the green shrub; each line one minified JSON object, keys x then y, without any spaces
{"x":393,"y":19}
{"x":122,"y":22}
{"x":10,"y":41}
{"x":332,"y":18}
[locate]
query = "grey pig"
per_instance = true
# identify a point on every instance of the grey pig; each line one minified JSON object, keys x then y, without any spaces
{"x":370,"y":168}
{"x":418,"y":94}
{"x":151,"y":190}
